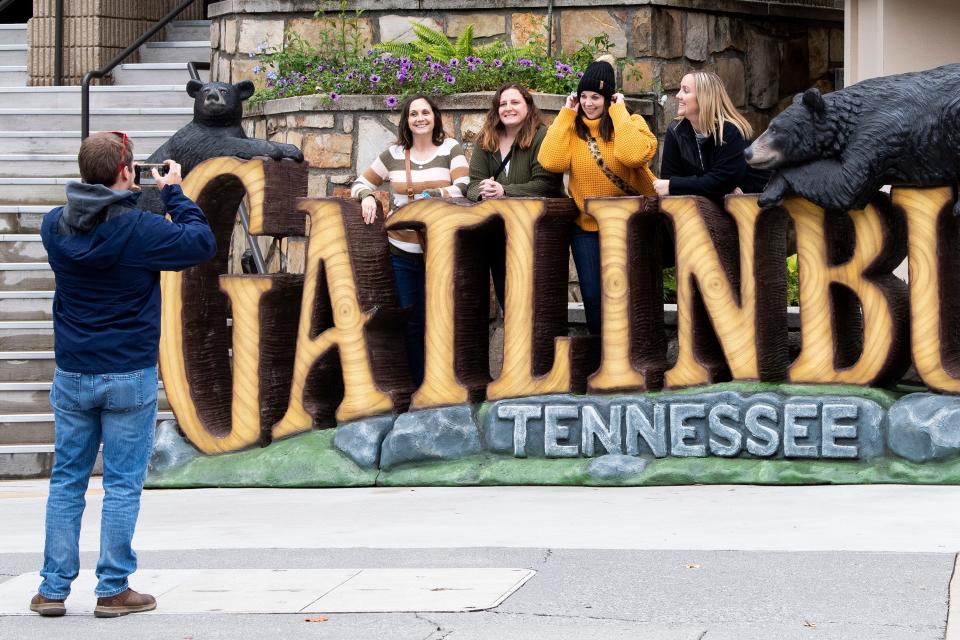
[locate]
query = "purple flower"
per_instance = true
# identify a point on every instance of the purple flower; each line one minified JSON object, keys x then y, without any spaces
{"x":334,"y":96}
{"x":579,"y":75}
{"x":376,"y":61}
{"x":429,"y":58}
{"x":560,"y":74}
{"x":271,"y":75}
{"x":450,"y":79}
{"x":390,"y":101}
{"x":423,"y":78}
{"x":454,"y":62}
{"x":497,"y":62}
{"x":524,"y":62}
{"x":472,"y":67}
{"x":374,"y":78}
{"x":256,"y":69}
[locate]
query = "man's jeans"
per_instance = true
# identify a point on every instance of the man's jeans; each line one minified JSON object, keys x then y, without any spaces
{"x":585,"y":246}
{"x":119,"y":409}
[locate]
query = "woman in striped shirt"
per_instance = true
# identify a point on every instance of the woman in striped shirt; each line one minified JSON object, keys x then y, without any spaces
{"x":423,"y":163}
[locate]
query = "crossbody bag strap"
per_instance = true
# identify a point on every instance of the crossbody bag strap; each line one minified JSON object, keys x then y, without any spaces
{"x":617,"y":181}
{"x":503,"y":163}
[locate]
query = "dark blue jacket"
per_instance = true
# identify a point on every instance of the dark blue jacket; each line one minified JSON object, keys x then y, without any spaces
{"x":107,"y":256}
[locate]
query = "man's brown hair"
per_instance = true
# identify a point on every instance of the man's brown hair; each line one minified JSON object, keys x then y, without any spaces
{"x":100,"y":157}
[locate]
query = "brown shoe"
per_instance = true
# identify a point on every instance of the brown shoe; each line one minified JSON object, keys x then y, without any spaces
{"x":128,"y":601}
{"x":47,"y":607}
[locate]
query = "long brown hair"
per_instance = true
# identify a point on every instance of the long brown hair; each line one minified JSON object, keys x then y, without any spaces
{"x":405,"y":135}
{"x":493,"y":128}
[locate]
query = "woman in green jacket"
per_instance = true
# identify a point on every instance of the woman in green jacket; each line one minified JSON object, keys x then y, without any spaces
{"x":504,"y":163}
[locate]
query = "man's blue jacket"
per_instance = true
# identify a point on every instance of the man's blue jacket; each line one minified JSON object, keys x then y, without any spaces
{"x":107,"y":256}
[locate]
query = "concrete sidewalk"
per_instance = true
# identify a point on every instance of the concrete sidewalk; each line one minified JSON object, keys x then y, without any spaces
{"x":668,"y":563}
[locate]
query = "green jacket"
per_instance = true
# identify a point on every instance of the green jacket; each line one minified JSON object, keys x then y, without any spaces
{"x":524,"y":177}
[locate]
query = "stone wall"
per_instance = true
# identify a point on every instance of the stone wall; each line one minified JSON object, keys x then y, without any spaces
{"x":764,"y":51}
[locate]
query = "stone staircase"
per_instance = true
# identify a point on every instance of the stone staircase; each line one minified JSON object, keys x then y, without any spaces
{"x":39,"y":141}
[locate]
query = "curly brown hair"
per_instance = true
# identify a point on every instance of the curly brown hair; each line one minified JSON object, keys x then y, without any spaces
{"x":493,"y":128}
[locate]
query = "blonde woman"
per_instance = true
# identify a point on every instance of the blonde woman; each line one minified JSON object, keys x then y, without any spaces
{"x":703,"y":148}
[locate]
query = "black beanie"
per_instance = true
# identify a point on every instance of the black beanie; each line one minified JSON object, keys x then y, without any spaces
{"x":599,"y":78}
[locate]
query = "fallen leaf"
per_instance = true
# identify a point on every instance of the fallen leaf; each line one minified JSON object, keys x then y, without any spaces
{"x":317,"y":619}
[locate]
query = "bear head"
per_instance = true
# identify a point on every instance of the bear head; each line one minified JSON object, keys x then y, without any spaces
{"x":804,"y":131}
{"x":218,"y":104}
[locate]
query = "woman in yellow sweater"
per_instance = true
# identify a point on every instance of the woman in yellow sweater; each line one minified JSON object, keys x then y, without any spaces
{"x":606,"y":151}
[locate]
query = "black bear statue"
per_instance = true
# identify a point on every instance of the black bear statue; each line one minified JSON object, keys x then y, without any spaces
{"x":838,"y":149}
{"x":214,"y":132}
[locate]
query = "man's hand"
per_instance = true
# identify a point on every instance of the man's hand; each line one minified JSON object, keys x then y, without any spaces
{"x":173,"y":174}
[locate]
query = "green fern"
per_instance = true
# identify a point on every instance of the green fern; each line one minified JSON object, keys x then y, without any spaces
{"x":434,"y":43}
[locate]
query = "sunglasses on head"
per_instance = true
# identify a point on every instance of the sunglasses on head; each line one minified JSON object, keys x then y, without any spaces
{"x":123,"y":148}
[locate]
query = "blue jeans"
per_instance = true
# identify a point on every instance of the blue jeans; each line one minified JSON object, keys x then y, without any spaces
{"x":410,"y":277}
{"x":585,"y":246}
{"x":120,"y":410}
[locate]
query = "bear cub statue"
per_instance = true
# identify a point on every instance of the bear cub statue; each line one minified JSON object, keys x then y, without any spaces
{"x":838,"y":149}
{"x":214,"y":132}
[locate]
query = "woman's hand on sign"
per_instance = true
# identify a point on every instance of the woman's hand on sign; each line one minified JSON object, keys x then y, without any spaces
{"x":662,"y":187}
{"x":368,"y":209}
{"x":490,"y":188}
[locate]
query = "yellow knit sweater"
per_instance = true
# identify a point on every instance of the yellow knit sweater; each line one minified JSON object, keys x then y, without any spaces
{"x":627,"y":154}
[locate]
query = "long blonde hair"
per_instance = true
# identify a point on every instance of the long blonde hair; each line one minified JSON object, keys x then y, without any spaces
{"x":716,"y":107}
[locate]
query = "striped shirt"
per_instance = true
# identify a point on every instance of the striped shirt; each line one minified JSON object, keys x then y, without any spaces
{"x":446,"y":174}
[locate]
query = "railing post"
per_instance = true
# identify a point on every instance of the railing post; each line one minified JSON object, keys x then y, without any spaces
{"x":58,"y":46}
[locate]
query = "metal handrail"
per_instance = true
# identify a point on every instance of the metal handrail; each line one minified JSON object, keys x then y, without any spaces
{"x":194,"y":67}
{"x":101,"y":72}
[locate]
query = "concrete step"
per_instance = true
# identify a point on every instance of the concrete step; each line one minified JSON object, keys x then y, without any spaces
{"x":153,"y":73}
{"x":106,"y":97}
{"x":33,"y":191}
{"x":188,"y":30}
{"x":36,"y":276}
{"x":17,"y":34}
{"x":26,"y":335}
{"x":69,"y":141}
{"x":21,"y":247}
{"x":39,"y":165}
{"x":37,"y":428}
{"x":13,"y":76}
{"x":26,"y":366}
{"x":26,"y":305}
{"x":23,"y":461}
{"x":31,"y":398}
{"x":165,"y":118}
{"x":14,"y":55}
{"x":183,"y":51}
{"x":21,"y":219}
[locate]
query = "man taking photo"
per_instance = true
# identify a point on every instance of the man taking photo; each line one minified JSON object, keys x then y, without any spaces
{"x":107,"y":256}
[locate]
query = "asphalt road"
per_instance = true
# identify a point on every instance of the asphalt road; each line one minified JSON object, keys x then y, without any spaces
{"x":845,"y":582}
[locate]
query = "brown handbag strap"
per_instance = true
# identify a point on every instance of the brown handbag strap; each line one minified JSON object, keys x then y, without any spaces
{"x":617,"y":181}
{"x":406,"y":164}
